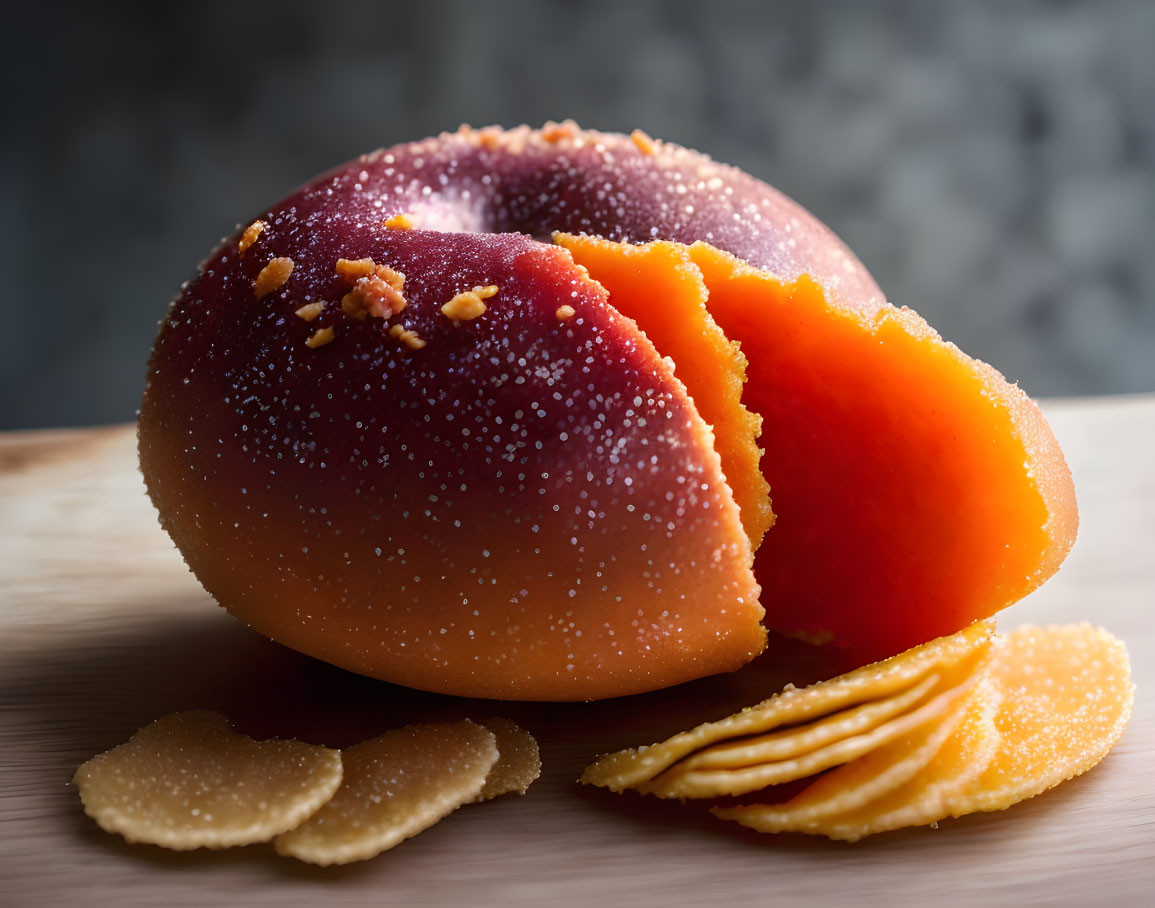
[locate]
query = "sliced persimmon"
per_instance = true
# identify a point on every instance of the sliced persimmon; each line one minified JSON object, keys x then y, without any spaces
{"x":917,"y":490}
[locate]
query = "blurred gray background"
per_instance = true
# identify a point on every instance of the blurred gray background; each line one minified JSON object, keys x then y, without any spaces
{"x":993,"y":163}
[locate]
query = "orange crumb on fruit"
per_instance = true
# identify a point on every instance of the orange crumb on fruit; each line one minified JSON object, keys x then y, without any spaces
{"x":644,"y":142}
{"x":272,"y":276}
{"x":555,"y":132}
{"x":250,"y":235}
{"x":407,"y":337}
{"x":394,"y":279}
{"x":321,"y":337}
{"x":351,"y":305}
{"x":377,"y":293}
{"x":400,"y":222}
{"x":355,"y":269}
{"x":310,"y":311}
{"x":565,"y":313}
{"x":489,"y":138}
{"x":468,"y":305}
{"x":659,"y":287}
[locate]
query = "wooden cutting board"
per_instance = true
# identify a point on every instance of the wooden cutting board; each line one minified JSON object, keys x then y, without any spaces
{"x":102,"y":629}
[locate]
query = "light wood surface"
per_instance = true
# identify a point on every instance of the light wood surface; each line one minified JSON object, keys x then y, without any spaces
{"x":102,"y":629}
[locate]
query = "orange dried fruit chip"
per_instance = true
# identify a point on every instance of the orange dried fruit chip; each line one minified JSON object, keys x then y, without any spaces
{"x":189,"y":781}
{"x":905,"y":783}
{"x":948,"y":699}
{"x":518,"y":760}
{"x":803,"y":739}
{"x":1067,"y":696}
{"x":395,"y":785}
{"x":635,"y":767}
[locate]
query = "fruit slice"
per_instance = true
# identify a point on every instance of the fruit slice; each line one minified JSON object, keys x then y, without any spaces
{"x":189,"y":781}
{"x":1067,"y":696}
{"x":917,"y":490}
{"x":395,"y":786}
{"x":635,"y":767}
{"x":896,"y":785}
{"x":797,"y":740}
{"x":948,"y":700}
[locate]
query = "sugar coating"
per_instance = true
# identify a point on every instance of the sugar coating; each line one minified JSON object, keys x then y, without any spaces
{"x":888,"y":784}
{"x":273,"y":276}
{"x":636,"y":766}
{"x":518,"y":760}
{"x":395,"y":786}
{"x":188,"y":781}
{"x":712,"y":783}
{"x":1067,"y":696}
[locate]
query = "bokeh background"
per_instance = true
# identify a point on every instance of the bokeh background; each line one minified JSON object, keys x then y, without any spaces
{"x":993,"y":163}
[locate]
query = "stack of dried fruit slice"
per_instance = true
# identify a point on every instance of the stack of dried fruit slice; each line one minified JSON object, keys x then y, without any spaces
{"x":965,"y":723}
{"x":189,"y":781}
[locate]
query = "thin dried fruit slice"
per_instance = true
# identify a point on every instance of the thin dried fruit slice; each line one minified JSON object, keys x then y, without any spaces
{"x":802,"y":739}
{"x":948,"y":699}
{"x":905,"y":783}
{"x":518,"y":760}
{"x":634,"y":767}
{"x":395,"y":785}
{"x":188,"y":781}
{"x":1067,"y":696}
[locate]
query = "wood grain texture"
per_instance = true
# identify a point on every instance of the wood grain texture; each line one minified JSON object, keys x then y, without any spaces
{"x":102,"y":629}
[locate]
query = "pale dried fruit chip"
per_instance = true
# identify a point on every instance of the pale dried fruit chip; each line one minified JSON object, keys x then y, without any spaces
{"x":395,"y":785}
{"x":518,"y":760}
{"x":798,"y":740}
{"x":1067,"y":696}
{"x":188,"y":781}
{"x":906,"y":783}
{"x":678,"y":783}
{"x":635,"y":767}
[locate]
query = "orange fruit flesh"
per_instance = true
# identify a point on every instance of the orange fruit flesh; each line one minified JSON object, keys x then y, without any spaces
{"x":916,"y":490}
{"x":661,"y":289}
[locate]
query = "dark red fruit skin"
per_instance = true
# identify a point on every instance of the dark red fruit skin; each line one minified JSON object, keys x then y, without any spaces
{"x":604,"y":184}
{"x":491,"y":515}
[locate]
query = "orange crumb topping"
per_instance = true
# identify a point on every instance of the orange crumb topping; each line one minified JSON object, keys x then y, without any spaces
{"x":321,"y":337}
{"x":351,"y":304}
{"x":250,"y":235}
{"x":407,"y":337}
{"x":489,"y":138}
{"x":555,"y":132}
{"x":468,"y":305}
{"x":355,"y":269}
{"x":400,"y":222}
{"x":310,"y":311}
{"x":644,"y":142}
{"x":394,"y":279}
{"x":272,"y":276}
{"x":565,"y":313}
